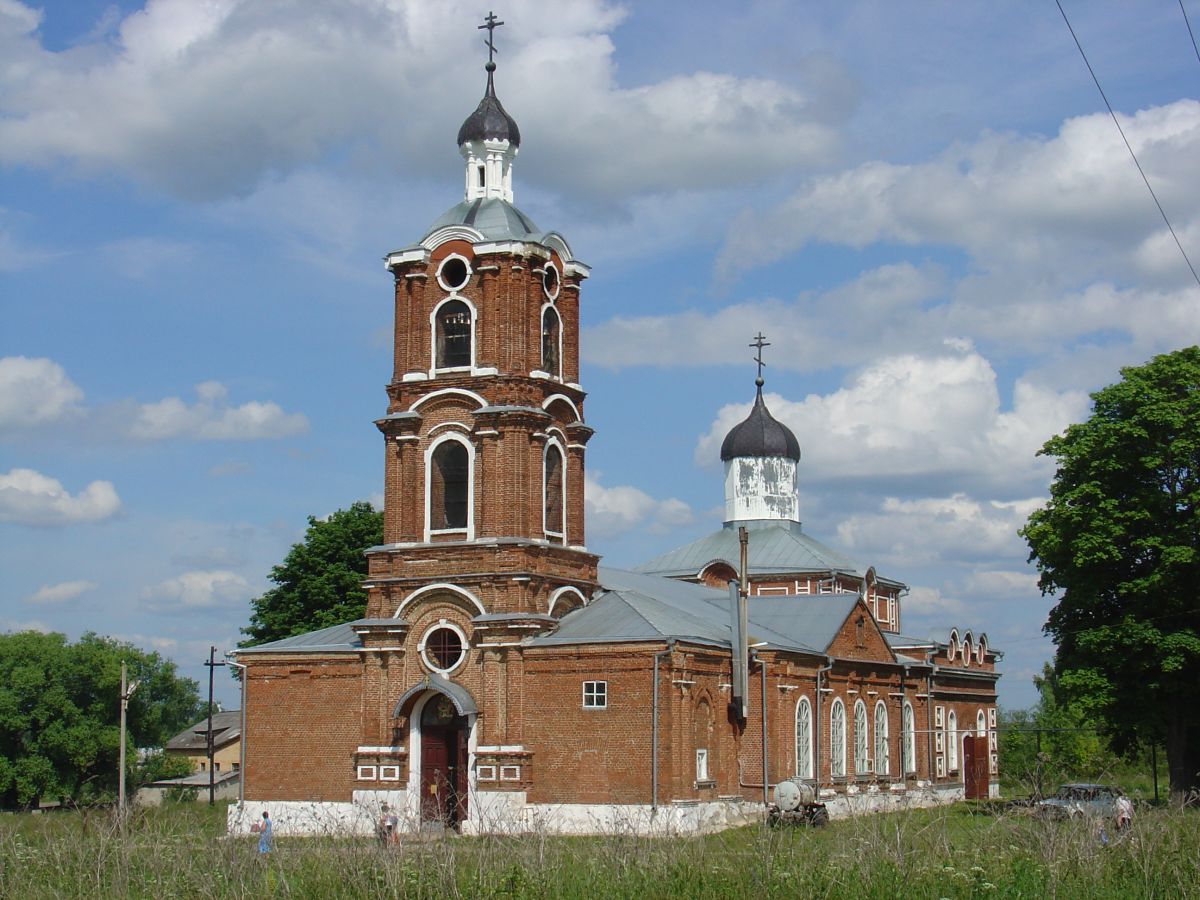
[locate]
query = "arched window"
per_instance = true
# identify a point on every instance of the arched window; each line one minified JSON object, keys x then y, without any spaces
{"x":553,"y":491}
{"x":980,"y":724}
{"x":804,"y":739}
{"x":952,"y":741}
{"x":449,"y":486}
{"x":861,"y":762}
{"x":702,"y":737}
{"x":908,"y":734}
{"x":882,"y":756}
{"x":837,"y":739}
{"x":453,"y":328}
{"x":551,"y":341}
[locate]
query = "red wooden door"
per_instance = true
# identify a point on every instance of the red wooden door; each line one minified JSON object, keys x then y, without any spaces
{"x":436,"y":782}
{"x":975,"y":767}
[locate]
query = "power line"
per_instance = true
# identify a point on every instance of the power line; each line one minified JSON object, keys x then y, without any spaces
{"x":1128,"y":146}
{"x":1189,"y":28}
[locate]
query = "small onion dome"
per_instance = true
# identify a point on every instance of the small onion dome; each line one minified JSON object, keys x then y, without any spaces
{"x":490,"y":121}
{"x":760,"y":435}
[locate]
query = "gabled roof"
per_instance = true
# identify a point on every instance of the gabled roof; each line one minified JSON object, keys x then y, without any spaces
{"x":226,"y":726}
{"x":775,"y":547}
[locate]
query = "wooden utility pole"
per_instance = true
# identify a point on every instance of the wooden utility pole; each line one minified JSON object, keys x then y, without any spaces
{"x":212,"y":782}
{"x":127,"y":689}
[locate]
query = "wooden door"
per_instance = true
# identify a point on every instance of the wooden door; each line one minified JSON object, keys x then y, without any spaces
{"x":975,"y":767}
{"x":436,"y":781}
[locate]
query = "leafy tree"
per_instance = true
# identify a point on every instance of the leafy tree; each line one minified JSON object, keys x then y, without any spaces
{"x":60,"y":714}
{"x":319,"y":583}
{"x":1053,"y":742}
{"x":1119,"y":542}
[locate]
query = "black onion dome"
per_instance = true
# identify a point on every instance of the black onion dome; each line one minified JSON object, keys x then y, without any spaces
{"x":490,"y":121}
{"x":760,"y":435}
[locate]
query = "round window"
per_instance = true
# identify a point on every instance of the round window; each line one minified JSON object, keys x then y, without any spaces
{"x":444,"y":648}
{"x":454,"y":273}
{"x":550,"y":281}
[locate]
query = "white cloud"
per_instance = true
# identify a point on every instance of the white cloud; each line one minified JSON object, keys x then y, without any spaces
{"x":1069,"y":205}
{"x":923,"y":600}
{"x":35,"y":392}
{"x":31,"y":498}
{"x":937,"y":530}
{"x":139,"y":103}
{"x":1002,"y":585}
{"x":60,"y":593}
{"x":919,"y":417}
{"x":211,"y":418}
{"x":614,"y":510}
{"x":198,"y":590}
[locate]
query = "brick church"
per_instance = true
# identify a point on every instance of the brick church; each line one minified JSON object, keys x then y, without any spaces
{"x":503,"y":680}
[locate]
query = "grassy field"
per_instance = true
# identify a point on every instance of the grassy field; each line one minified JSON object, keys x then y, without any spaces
{"x":181,"y":851}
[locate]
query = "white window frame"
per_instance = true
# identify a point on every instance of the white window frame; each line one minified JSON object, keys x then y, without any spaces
{"x":389,"y":773}
{"x":837,"y":739}
{"x":804,"y":738}
{"x":485,"y":773}
{"x":981,"y":728}
{"x":442,"y":265}
{"x":367,"y":773}
{"x":469,"y":531}
{"x":595,"y":691}
{"x":908,"y":729}
{"x":425,"y":658}
{"x":701,"y":765}
{"x":510,"y":773}
{"x":862,"y":739}
{"x":952,"y":741}
{"x":883,"y":761}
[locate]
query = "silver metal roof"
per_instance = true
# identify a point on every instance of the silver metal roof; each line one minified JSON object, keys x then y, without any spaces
{"x":775,"y":547}
{"x":632,"y":606}
{"x":495,"y":219}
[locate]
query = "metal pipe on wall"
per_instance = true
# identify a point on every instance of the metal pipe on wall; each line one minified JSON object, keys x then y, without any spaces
{"x":765,"y":775}
{"x":242,"y":743}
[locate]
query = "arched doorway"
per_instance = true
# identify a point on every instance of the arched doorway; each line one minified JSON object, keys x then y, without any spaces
{"x":443,"y":786}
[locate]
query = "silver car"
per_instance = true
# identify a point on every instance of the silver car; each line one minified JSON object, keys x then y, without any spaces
{"x":1073,"y":800}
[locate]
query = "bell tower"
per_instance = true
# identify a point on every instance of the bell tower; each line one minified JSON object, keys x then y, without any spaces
{"x":484,"y":436}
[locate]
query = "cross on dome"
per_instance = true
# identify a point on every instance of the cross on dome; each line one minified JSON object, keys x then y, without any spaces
{"x":760,"y":341}
{"x":491,"y":23}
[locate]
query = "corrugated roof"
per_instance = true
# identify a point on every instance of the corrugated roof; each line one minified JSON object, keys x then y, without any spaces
{"x":775,"y":547}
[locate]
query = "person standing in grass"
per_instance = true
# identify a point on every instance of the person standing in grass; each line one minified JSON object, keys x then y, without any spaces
{"x":264,"y":834}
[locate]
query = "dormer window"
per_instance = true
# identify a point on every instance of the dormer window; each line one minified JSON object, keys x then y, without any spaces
{"x":453,"y":324}
{"x":551,"y":340}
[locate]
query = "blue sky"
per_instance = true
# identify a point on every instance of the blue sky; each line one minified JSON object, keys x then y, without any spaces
{"x":924,"y":206}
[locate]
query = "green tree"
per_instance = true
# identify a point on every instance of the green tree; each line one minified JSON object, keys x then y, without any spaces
{"x":1119,"y":543}
{"x":1053,"y":742}
{"x":319,"y":582}
{"x":60,"y":714}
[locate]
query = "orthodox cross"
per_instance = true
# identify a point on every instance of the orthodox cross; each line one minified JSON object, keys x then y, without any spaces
{"x":760,"y":341}
{"x":491,"y":24}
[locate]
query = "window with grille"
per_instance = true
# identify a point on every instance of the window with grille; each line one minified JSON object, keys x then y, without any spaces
{"x":443,"y":648}
{"x":837,"y":739}
{"x":882,"y":756}
{"x":861,"y":745}
{"x":804,"y":743}
{"x":909,"y":738}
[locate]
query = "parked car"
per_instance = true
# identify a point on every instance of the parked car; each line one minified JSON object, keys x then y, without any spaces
{"x":1073,"y":800}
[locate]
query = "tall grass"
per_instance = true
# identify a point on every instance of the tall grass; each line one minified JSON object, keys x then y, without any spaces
{"x":181,"y":851}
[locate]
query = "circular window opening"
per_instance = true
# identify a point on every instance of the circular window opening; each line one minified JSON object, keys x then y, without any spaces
{"x":444,"y":648}
{"x":454,"y":273}
{"x":550,"y":281}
